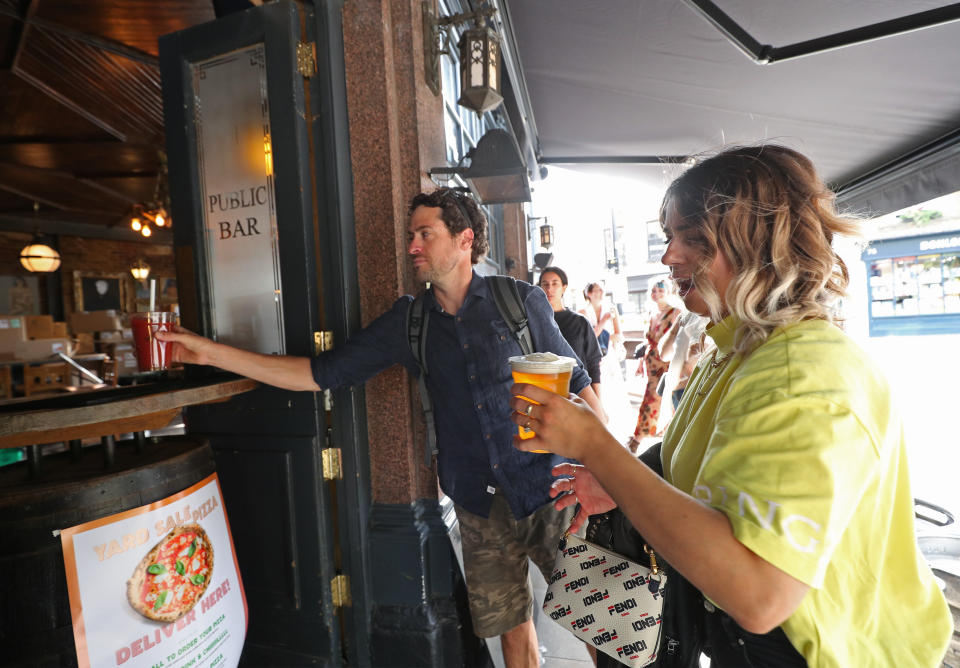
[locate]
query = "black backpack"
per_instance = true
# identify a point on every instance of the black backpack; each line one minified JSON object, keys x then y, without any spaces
{"x":507,"y":298}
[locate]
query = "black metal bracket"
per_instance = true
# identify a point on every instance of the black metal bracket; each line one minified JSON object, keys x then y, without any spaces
{"x":765,"y":54}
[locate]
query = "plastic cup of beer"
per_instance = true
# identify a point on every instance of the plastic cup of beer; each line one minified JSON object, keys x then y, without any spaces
{"x":546,"y":370}
{"x":152,"y":354}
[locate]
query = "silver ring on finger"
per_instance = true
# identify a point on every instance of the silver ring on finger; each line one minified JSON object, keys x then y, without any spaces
{"x":528,"y":410}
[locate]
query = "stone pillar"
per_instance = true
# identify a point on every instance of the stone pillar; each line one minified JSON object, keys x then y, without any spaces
{"x":396,"y":136}
{"x":515,"y":241}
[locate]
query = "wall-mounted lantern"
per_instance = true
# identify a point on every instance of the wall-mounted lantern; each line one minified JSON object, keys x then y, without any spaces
{"x":546,"y":235}
{"x":479,"y":48}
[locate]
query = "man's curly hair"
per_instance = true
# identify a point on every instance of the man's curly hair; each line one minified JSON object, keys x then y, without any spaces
{"x":459,"y":211}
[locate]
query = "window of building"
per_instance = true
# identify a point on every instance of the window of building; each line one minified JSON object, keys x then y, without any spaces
{"x":913,"y":264}
{"x":463,"y":127}
{"x":915,"y":285}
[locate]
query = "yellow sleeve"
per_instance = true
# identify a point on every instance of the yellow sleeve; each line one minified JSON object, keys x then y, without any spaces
{"x":788,"y":471}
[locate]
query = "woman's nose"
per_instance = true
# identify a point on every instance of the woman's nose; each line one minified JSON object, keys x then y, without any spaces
{"x":668,"y":256}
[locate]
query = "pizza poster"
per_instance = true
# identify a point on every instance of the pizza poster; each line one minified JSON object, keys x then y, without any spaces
{"x":157,"y":586}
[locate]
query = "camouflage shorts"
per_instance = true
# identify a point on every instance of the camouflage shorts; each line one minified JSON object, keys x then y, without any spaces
{"x":495,"y":552}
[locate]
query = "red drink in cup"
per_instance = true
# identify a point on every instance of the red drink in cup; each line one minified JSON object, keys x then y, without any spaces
{"x":152,"y":355}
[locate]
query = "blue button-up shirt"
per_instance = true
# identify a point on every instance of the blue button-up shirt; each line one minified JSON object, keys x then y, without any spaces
{"x":469,"y":383}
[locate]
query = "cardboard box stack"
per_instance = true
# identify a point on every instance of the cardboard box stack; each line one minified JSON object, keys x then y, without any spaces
{"x":106,"y":332}
{"x":30,"y":337}
{"x":12,"y":332}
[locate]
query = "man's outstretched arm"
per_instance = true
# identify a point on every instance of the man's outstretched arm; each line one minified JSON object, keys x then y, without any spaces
{"x":284,"y":371}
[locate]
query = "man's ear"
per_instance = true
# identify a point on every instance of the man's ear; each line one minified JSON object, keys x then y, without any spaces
{"x":466,"y":239}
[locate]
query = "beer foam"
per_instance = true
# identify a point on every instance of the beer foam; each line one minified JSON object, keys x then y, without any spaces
{"x":542,"y":363}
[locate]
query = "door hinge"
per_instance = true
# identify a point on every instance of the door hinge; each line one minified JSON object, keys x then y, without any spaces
{"x":322,"y":341}
{"x":332,"y":464}
{"x":306,"y":59}
{"x":340,"y":591}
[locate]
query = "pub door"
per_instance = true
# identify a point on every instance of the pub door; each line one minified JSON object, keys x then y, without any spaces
{"x":260,"y":204}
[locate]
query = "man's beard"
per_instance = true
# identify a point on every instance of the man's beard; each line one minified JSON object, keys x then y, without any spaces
{"x":429,"y":273}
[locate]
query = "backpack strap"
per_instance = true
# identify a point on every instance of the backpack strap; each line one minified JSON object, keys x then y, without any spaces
{"x":418,"y":316}
{"x":507,"y":297}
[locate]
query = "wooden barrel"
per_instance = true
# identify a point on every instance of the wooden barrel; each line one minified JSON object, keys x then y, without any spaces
{"x":35,"y":624}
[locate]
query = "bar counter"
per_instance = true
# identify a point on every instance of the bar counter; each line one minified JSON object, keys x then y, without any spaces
{"x":99,"y":413}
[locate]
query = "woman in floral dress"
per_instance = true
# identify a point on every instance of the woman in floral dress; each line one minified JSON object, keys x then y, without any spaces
{"x":661,"y":323}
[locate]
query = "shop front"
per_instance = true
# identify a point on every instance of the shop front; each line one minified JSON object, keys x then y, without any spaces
{"x":914,"y":285}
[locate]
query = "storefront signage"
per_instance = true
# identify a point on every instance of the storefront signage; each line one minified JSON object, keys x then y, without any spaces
{"x":912,"y":245}
{"x":235,"y":159}
{"x":939,"y":244}
{"x":157,"y":586}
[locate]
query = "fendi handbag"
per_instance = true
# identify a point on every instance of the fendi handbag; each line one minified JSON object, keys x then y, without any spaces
{"x":608,"y":601}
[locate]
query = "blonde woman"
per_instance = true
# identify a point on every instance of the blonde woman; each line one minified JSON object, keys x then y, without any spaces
{"x":786,"y":500}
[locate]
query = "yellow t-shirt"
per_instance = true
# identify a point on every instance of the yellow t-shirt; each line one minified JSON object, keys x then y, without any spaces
{"x":799,"y":446}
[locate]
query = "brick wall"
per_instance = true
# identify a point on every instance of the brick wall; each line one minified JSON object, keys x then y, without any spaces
{"x":87,"y":255}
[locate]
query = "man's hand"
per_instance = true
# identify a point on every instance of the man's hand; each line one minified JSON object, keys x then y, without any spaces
{"x":188,"y":348}
{"x":287,"y":372}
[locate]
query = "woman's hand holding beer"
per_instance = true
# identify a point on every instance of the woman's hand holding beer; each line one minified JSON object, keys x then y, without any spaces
{"x":563,"y":425}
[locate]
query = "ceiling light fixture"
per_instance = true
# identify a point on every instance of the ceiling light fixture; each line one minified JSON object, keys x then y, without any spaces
{"x":140,"y":270}
{"x":38,"y":257}
{"x":154,"y":211}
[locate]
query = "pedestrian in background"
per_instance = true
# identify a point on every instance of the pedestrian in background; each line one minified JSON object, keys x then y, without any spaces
{"x":665,"y":313}
{"x":574,"y":326}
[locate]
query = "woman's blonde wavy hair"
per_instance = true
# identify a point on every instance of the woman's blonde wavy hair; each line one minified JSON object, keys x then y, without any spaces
{"x":766,"y":209}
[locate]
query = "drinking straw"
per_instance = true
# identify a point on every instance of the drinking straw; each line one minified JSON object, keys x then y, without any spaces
{"x":153,"y":294}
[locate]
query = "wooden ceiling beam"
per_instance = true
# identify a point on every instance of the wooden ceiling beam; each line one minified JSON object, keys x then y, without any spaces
{"x":65,"y":226}
{"x":29,"y":177}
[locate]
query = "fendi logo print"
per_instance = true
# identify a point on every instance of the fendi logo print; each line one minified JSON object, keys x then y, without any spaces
{"x":632,"y":650}
{"x":635,"y":581}
{"x":583,"y":623}
{"x":603,"y":637}
{"x":595,"y":596}
{"x":645,"y":622}
{"x":592,"y":563}
{"x":616,"y":569}
{"x":622,"y":608}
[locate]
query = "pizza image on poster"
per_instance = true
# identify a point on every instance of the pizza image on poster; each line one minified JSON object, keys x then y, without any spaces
{"x":146,"y":591}
{"x":170,"y":580}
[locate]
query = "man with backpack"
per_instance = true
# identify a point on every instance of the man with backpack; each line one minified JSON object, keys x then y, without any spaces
{"x":457,"y":339}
